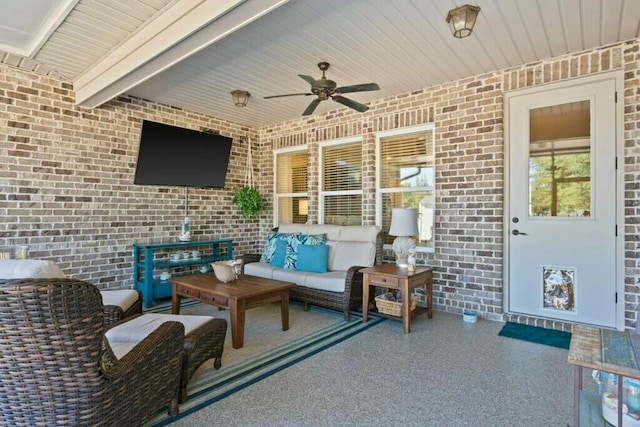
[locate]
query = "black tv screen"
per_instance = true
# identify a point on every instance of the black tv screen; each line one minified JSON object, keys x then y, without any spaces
{"x":174,"y":156}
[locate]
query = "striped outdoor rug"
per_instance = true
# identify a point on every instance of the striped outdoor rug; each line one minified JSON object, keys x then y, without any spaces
{"x":267,"y":349}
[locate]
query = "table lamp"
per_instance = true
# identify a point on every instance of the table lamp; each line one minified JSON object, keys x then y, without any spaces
{"x":404,"y":225}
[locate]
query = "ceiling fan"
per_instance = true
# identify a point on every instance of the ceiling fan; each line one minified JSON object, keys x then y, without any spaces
{"x":324,"y":89}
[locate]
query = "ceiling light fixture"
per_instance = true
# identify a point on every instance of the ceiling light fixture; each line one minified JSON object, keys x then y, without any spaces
{"x":462,"y":19}
{"x":240,"y":97}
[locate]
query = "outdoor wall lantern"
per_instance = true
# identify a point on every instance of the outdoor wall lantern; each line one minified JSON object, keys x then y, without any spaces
{"x":240,"y":97}
{"x":462,"y":19}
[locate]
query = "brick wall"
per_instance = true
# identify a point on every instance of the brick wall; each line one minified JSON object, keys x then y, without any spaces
{"x":468,"y":117}
{"x":67,"y":182}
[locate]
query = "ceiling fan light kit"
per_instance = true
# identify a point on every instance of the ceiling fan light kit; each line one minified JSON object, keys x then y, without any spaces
{"x":462,"y":20}
{"x":325,"y":89}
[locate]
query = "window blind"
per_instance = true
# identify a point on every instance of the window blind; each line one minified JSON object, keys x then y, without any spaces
{"x":407,"y":161}
{"x":291,"y":187}
{"x":342,"y":167}
{"x":341,"y":189}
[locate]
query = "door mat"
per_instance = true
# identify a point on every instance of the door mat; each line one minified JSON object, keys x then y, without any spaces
{"x":536,"y":334}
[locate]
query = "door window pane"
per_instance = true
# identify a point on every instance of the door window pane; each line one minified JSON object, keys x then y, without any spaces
{"x":560,"y":160}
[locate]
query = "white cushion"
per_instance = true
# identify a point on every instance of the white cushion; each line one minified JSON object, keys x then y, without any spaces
{"x":287,"y":275}
{"x":119,"y":349}
{"x":359,"y":233}
{"x":135,"y":330}
{"x":260,"y":269}
{"x":332,"y":281}
{"x":123,"y":298}
{"x":347,"y":254}
{"x":29,"y":268}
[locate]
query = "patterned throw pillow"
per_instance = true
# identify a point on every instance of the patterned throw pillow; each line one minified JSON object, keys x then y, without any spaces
{"x":291,"y":257}
{"x":270,"y":246}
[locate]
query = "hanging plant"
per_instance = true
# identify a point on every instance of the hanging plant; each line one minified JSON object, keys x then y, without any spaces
{"x":247,"y":198}
{"x":249,"y":201}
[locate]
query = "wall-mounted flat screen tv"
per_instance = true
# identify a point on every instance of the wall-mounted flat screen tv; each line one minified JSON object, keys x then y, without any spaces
{"x":173,"y":156}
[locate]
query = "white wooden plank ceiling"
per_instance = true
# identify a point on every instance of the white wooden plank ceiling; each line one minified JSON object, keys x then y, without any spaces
{"x":261,"y":45}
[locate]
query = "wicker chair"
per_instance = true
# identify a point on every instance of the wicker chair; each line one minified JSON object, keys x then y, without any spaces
{"x":118,"y":303}
{"x":54,"y":370}
{"x":113,"y":313}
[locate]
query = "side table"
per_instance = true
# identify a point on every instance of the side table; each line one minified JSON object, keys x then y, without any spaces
{"x":607,"y":351}
{"x":392,"y":277}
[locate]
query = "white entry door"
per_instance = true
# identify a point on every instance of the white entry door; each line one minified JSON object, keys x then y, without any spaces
{"x":562,"y":202}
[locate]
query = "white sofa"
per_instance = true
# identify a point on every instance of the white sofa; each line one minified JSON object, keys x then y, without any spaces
{"x":351,"y":247}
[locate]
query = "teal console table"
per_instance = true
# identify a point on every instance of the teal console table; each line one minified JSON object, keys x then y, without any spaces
{"x":144,"y":263}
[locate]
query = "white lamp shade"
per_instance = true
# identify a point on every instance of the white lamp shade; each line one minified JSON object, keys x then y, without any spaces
{"x":404,"y":222}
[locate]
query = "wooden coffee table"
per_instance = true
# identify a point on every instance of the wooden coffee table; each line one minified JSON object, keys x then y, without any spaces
{"x":245,"y":293}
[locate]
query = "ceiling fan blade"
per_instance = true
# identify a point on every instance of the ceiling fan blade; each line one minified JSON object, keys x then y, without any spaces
{"x":307,"y":79}
{"x":288,"y":94}
{"x":311,"y":108}
{"x":350,"y":103}
{"x":358,"y":88}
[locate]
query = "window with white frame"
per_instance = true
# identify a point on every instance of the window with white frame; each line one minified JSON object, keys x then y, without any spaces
{"x":340,"y":190}
{"x":290,"y":186}
{"x":406,"y":178}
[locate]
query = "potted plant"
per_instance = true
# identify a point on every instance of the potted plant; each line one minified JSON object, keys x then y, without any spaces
{"x":249,"y":201}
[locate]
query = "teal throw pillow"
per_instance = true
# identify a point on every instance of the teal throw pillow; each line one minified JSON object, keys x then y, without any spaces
{"x":297,"y":240}
{"x":278,"y":255}
{"x":312,"y":258}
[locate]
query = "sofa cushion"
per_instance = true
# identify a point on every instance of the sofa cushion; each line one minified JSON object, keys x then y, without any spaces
{"x":29,"y":268}
{"x":312,"y":258}
{"x":260,"y":269}
{"x":332,"y":231}
{"x":359,"y":233}
{"x":349,"y":254}
{"x":290,"y":276}
{"x":139,"y":328}
{"x":332,"y":281}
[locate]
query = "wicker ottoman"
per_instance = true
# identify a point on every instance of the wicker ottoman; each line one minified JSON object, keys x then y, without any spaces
{"x":203,"y":340}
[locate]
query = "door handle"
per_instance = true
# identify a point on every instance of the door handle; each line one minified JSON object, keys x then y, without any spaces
{"x":516,"y":233}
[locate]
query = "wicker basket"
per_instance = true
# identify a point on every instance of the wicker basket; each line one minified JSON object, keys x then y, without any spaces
{"x":393,"y":308}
